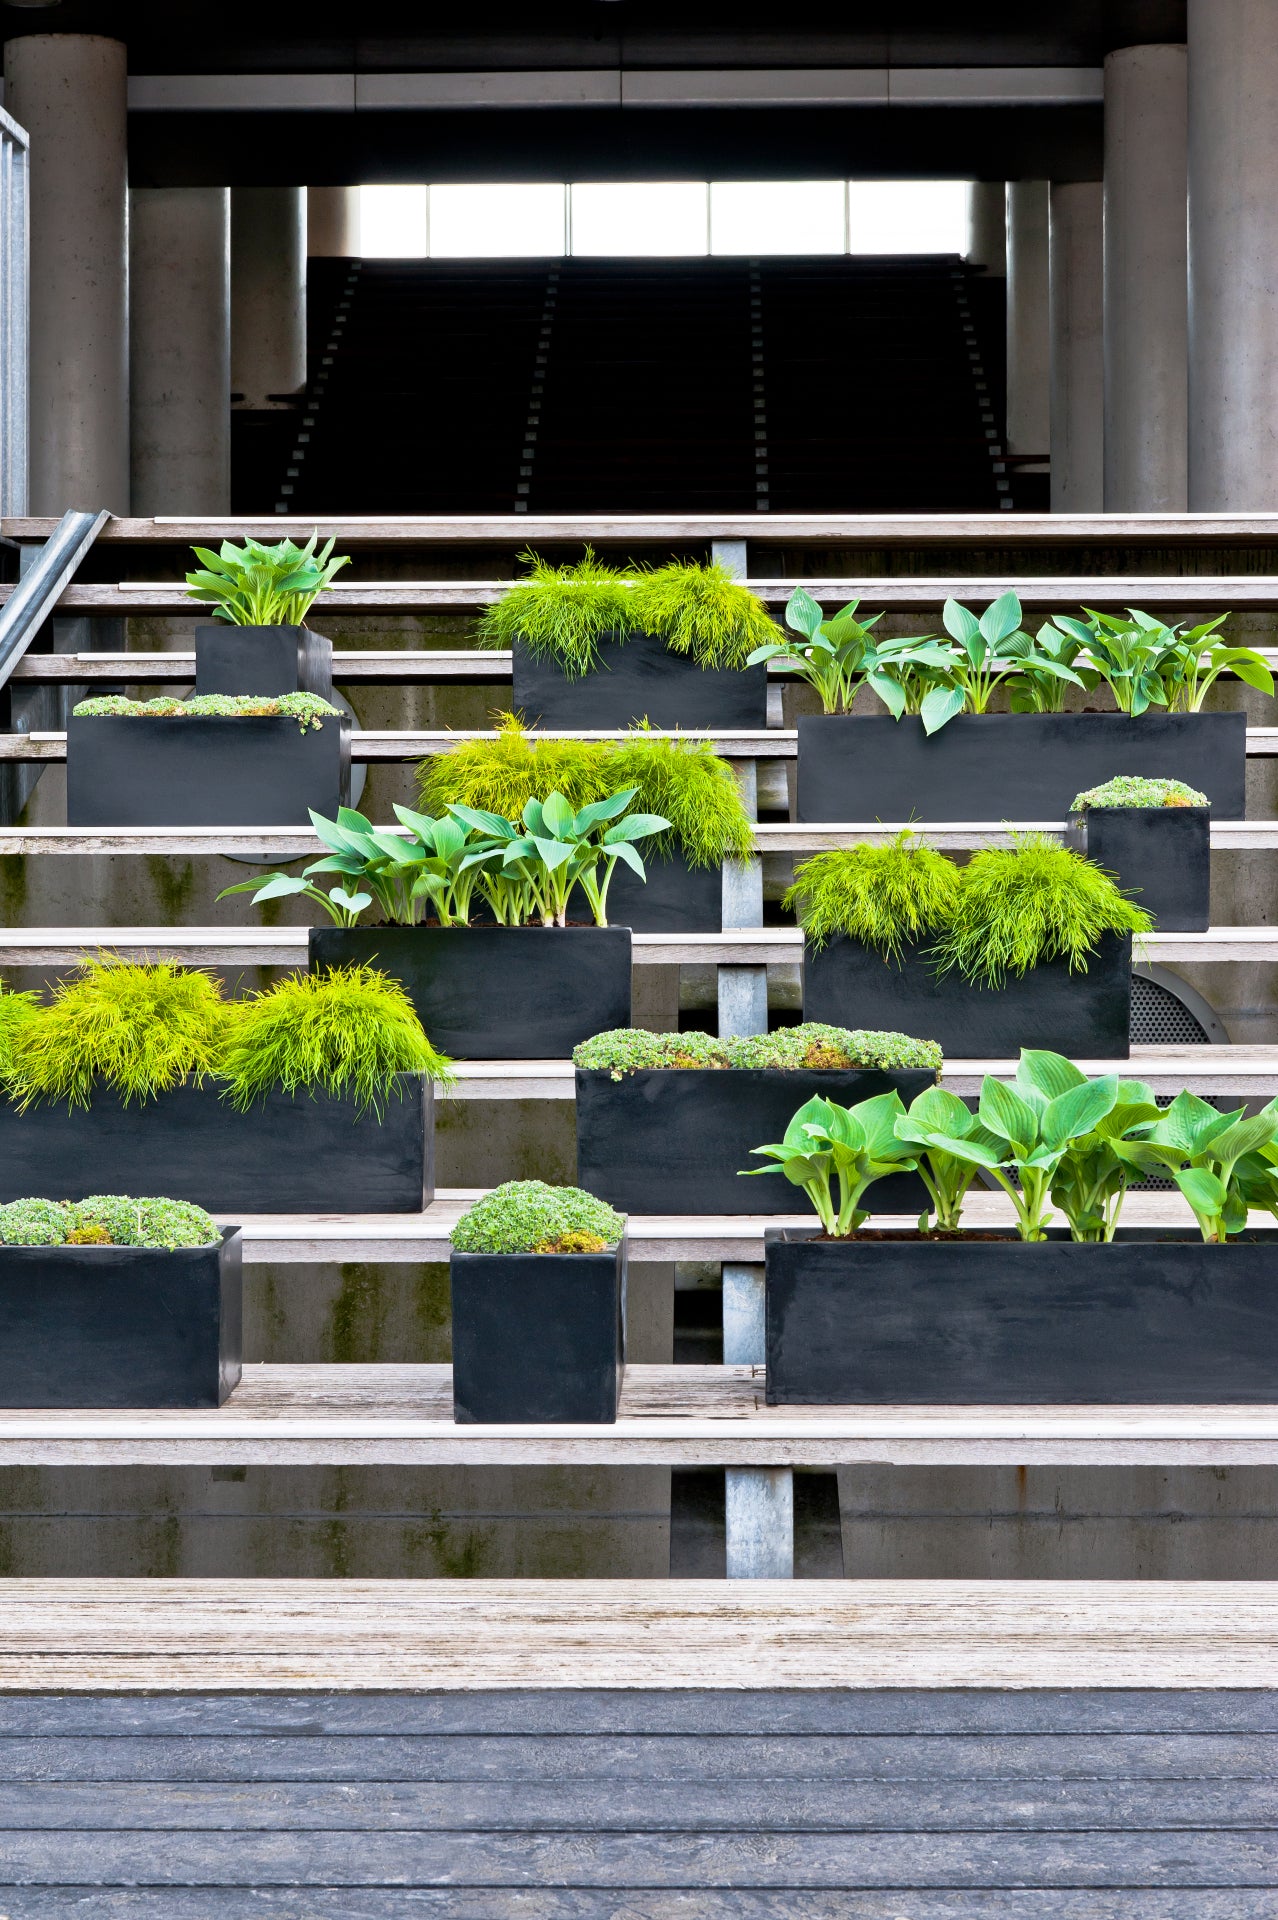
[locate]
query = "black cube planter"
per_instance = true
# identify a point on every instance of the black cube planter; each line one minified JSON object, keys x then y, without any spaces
{"x":538,"y":1337}
{"x":1156,"y":1318}
{"x":1008,"y":766}
{"x":1162,"y":855}
{"x":288,"y":1154}
{"x":635,"y":680}
{"x":120,"y":1326}
{"x":1087,"y":1014}
{"x":269,"y":660}
{"x":496,"y":993}
{"x":255,"y":770}
{"x":673,"y":1140}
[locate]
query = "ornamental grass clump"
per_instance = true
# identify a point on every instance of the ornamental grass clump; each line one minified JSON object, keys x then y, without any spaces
{"x":16,"y":1009}
{"x":107,"y":1220}
{"x":889,"y":897}
{"x":503,"y":773}
{"x":561,"y":614}
{"x":1134,"y":790}
{"x":1022,"y":905}
{"x":349,"y":1031}
{"x":527,"y":1216}
{"x":136,"y":1029}
{"x":703,"y":612}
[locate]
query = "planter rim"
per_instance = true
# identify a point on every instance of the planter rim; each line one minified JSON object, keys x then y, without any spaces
{"x":230,"y":1234}
{"x":982,"y":1237}
{"x":612,"y":1252}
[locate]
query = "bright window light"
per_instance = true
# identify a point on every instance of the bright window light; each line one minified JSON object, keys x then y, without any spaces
{"x":666,"y":217}
{"x":392,"y":223}
{"x":776,"y":216}
{"x":907,"y":216}
{"x":509,"y":222}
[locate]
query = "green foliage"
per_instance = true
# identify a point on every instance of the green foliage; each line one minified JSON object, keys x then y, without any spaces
{"x":887,"y":897}
{"x":1146,"y":663}
{"x":561,"y":613}
{"x":349,"y":1031}
{"x":135,"y":1029}
{"x":16,"y":1009}
{"x":1134,"y":790}
{"x":529,"y":870}
{"x":839,"y":656}
{"x":260,"y":586}
{"x":624,"y":1050}
{"x":306,"y":708}
{"x":1223,"y":1163}
{"x":703,"y":612}
{"x":812,"y":1046}
{"x":524,"y":1215}
{"x":988,"y":651}
{"x":684,"y":780}
{"x":834,"y":1153}
{"x":107,"y":1219}
{"x":1019,"y":906}
{"x":937,"y":1124}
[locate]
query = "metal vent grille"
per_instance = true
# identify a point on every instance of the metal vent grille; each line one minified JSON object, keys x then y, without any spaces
{"x":1160,"y":1018}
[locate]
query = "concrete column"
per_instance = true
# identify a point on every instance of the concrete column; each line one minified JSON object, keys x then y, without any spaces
{"x":1233,"y":256}
{"x":268,"y":295}
{"x":1078,"y":356}
{"x":1146,"y":296}
{"x":332,"y":222}
{"x":69,"y":91}
{"x":180,"y":290}
{"x":987,"y":225}
{"x":1028,"y":331}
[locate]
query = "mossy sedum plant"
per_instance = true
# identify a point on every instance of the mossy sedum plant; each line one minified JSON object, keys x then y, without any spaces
{"x":1035,"y":901}
{"x":348,"y":1031}
{"x":702,"y":612}
{"x":1134,"y":790}
{"x":683,"y":781}
{"x":887,"y":897}
{"x":309,"y":711}
{"x":107,"y":1220}
{"x":812,"y":1045}
{"x":527,"y":1216}
{"x":561,"y":614}
{"x":138,"y":1030}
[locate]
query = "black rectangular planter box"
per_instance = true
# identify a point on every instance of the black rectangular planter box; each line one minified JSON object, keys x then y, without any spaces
{"x":496,"y":993}
{"x":675,"y":898}
{"x":120,"y":1326}
{"x":258,"y":770}
{"x":1161,"y":855}
{"x":1008,"y":766}
{"x":635,"y":680}
{"x":538,"y":1337}
{"x":268,"y":660}
{"x":1086,"y":1014}
{"x":672,"y":1140}
{"x":1155,"y":1318}
{"x":288,"y":1154}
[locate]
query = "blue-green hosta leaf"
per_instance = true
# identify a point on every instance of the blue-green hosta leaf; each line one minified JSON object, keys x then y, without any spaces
{"x":813,"y":1113}
{"x":877,"y":1118}
{"x":1050,"y":1073}
{"x":940,"y":706}
{"x":889,"y":691}
{"x":624,"y":851}
{"x":350,"y":902}
{"x":938,"y":1109}
{"x":279,"y":887}
{"x":1000,"y":619}
{"x":635,"y":826}
{"x":557,"y":816}
{"x":1007,"y":1115}
{"x":1189,"y":1123}
{"x":485,"y":822}
{"x":962,"y":625}
{"x":1204,"y":1192}
{"x":598,"y":810}
{"x":802,"y":612}
{"x":1073,"y":1114}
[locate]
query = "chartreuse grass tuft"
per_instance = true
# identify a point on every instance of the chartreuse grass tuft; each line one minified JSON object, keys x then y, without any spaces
{"x":503,"y":773}
{"x":889,"y":898}
{"x":703,"y":612}
{"x":561,"y":614}
{"x":16,"y":1009}
{"x":136,"y":1029}
{"x":347,"y":1031}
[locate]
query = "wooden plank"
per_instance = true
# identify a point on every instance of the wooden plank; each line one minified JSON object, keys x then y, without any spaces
{"x":103,"y":1635}
{"x":700,"y":1416}
{"x":405,"y":667}
{"x":373,"y":745}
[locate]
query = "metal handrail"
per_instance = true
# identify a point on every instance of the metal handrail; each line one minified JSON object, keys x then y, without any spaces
{"x":43,"y":584}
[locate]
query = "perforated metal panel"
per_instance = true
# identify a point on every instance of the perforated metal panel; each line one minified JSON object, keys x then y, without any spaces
{"x":1160,"y":1018}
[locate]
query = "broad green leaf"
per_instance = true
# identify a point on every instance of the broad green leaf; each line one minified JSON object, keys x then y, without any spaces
{"x":1051,"y":1073}
{"x":957,"y":621}
{"x":1204,"y":1192}
{"x":1075,"y":1113}
{"x":1006,"y":1114}
{"x":1001,"y":619}
{"x":940,"y":706}
{"x":802,"y":612}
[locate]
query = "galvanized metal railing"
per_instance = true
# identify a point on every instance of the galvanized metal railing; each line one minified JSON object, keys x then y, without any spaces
{"x":14,"y":314}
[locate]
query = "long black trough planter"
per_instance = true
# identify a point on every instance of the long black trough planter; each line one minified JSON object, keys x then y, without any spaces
{"x":538,"y":1337}
{"x":1156,"y":1318}
{"x":120,"y":1326}
{"x":496,"y":993}
{"x":673,"y":1140}
{"x":254,"y":770}
{"x":1088,"y":1014}
{"x":1162,"y":855}
{"x":269,"y":660}
{"x":675,"y":898}
{"x":1008,"y":766}
{"x":639,"y":679}
{"x":290,"y":1153}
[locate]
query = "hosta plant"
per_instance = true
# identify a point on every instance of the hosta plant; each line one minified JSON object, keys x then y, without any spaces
{"x":1146,"y":663}
{"x":989,"y":650}
{"x":263,"y":586}
{"x":835,"y":1153}
{"x":838,"y":656}
{"x":1223,"y":1163}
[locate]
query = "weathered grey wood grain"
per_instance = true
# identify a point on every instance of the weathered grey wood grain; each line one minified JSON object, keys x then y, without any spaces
{"x":1181,"y":1860}
{"x":528,"y":1758}
{"x":608,"y":1712}
{"x":777,"y":1804}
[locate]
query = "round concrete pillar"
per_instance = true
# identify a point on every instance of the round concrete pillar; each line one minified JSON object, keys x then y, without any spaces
{"x":1078,"y":357}
{"x":1146,"y":297}
{"x":1233,"y":256}
{"x":180,"y":329}
{"x":332,"y":223}
{"x":1028,"y":331}
{"x":69,"y":91}
{"x":268,"y":295}
{"x":987,"y":225}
